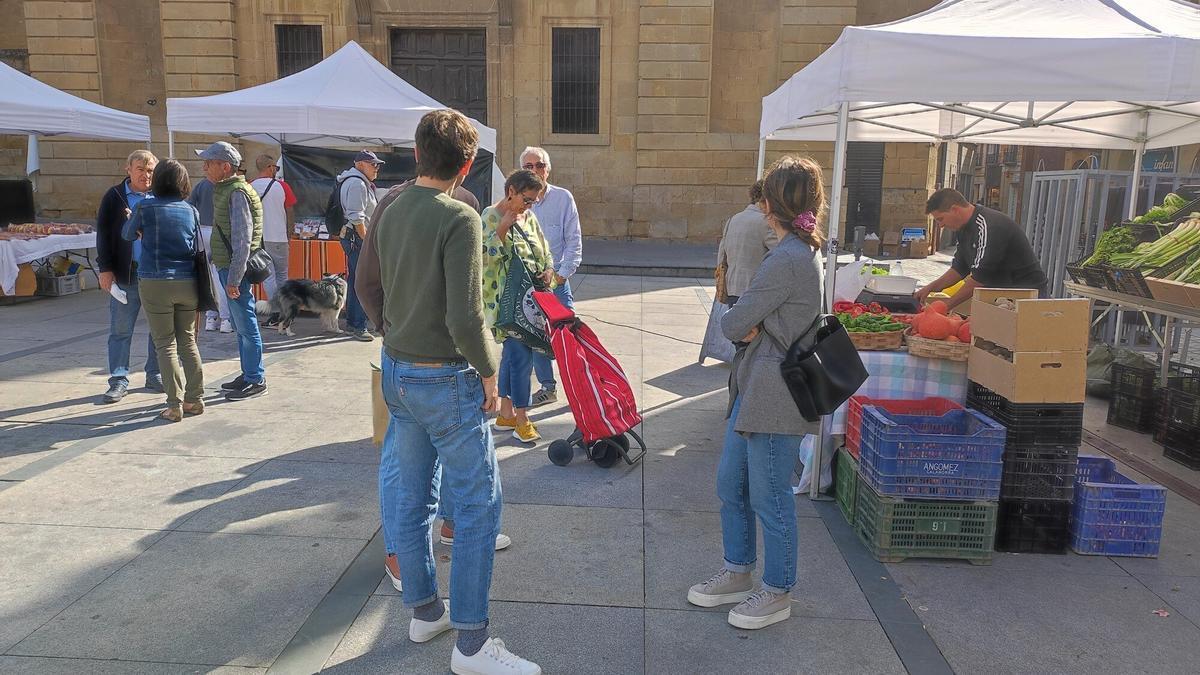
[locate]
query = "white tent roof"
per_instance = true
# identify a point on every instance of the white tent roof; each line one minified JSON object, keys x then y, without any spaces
{"x":1075,"y":73}
{"x":28,"y":106}
{"x":347,"y":99}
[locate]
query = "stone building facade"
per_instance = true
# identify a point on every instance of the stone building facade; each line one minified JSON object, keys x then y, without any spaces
{"x":657,"y":140}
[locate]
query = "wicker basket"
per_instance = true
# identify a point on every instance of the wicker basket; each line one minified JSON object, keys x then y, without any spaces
{"x":937,"y":349}
{"x":877,"y":342}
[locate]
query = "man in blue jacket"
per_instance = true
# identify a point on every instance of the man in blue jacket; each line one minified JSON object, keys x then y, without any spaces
{"x":117,"y":260}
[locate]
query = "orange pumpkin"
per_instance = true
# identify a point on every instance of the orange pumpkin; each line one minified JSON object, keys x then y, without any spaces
{"x":939,"y":307}
{"x":964,"y":332}
{"x":935,"y":326}
{"x":953,"y":338}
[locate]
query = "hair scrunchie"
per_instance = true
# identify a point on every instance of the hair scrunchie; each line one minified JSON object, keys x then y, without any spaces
{"x":805,"y":222}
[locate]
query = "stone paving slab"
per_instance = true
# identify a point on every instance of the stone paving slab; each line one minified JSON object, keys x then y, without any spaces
{"x":582,"y":639}
{"x":47,"y":567}
{"x":217,"y":599}
{"x":704,"y":642}
{"x":123,"y":490}
{"x":528,"y":477}
{"x":997,"y":621}
{"x":299,"y":499}
{"x":32,"y":665}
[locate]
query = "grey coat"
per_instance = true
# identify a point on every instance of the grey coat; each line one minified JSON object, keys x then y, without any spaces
{"x":785,"y":298}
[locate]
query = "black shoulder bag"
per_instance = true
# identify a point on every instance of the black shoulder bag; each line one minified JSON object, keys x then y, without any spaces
{"x":206,"y":288}
{"x":822,"y":368}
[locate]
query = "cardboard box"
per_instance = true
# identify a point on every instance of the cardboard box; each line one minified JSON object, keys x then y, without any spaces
{"x":1170,"y":292}
{"x":1030,"y":377}
{"x":890,"y":251}
{"x":891,"y":238}
{"x":1035,"y":326}
{"x":26,"y":284}
{"x":914,"y":248}
{"x":871,"y":248}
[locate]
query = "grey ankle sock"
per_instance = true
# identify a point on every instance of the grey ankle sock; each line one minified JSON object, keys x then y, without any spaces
{"x":471,"y":641}
{"x":430,"y":611}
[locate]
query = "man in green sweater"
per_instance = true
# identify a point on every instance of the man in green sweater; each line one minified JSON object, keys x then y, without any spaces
{"x":439,"y":381}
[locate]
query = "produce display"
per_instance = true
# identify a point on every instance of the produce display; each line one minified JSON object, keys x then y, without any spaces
{"x":1165,"y":212}
{"x":1155,"y":254}
{"x":49,"y":228}
{"x":1116,"y":240}
{"x":872,"y":318}
{"x":935,"y":323}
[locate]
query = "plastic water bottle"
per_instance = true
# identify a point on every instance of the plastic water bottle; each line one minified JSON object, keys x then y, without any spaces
{"x":897,"y":269}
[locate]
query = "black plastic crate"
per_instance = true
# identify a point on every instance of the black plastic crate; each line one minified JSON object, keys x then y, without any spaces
{"x":1132,"y":411}
{"x":1136,"y":380}
{"x":1182,"y":409}
{"x":1034,"y":526}
{"x":1039,"y":472}
{"x":1029,"y":423}
{"x":1189,"y":457}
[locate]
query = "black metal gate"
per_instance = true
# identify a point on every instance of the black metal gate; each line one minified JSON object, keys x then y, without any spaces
{"x":864,"y":185}
{"x":449,"y":64}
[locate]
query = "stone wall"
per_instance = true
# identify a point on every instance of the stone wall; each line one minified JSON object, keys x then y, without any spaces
{"x":15,"y":53}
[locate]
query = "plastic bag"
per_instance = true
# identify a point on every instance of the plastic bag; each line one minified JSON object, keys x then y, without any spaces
{"x":851,"y":280}
{"x":1099,"y":367}
{"x":715,"y":345}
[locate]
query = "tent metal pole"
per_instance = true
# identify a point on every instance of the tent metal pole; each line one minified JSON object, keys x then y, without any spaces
{"x":170,"y":143}
{"x":1137,"y":165}
{"x":835,"y":216}
{"x":762,"y":157}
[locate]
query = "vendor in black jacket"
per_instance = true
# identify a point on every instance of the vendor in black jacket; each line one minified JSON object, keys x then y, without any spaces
{"x":993,"y":251}
{"x":117,"y":261}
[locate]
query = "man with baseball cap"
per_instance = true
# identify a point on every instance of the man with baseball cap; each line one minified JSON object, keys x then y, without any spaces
{"x":237,"y":230}
{"x":356,"y":192}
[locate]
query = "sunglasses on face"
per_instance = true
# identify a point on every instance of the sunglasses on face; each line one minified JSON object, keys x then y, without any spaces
{"x":528,"y":200}
{"x":531,"y":166}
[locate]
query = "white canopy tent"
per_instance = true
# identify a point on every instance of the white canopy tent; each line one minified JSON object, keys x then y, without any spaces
{"x":349,"y":99}
{"x":1079,"y":73}
{"x":31,"y":107}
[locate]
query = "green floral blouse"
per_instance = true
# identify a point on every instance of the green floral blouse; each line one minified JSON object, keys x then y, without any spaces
{"x":532,"y":248}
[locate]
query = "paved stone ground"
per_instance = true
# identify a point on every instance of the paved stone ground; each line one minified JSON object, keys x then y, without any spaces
{"x":246,"y":539}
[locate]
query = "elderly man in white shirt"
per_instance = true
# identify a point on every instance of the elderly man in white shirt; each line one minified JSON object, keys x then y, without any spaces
{"x":559,"y":218}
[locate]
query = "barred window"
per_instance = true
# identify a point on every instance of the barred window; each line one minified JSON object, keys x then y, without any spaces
{"x":297,"y":48}
{"x":575,"y":80}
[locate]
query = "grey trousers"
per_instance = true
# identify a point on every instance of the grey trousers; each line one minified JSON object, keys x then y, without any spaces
{"x":278,"y":250}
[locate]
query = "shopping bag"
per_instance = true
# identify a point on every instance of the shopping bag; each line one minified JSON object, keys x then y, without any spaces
{"x":850,"y":281}
{"x":519,"y":316}
{"x":380,"y":416}
{"x":715,"y":345}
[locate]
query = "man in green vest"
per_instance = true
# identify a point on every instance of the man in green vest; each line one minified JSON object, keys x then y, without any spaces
{"x":237,"y":230}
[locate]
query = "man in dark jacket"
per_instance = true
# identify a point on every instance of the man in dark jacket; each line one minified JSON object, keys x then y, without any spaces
{"x":117,"y":259}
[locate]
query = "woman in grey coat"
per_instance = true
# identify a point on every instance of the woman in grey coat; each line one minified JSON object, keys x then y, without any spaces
{"x":764,"y":432}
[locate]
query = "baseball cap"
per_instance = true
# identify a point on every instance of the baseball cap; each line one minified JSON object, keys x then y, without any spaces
{"x":368,"y":156}
{"x":221,"y":152}
{"x":263,"y":161}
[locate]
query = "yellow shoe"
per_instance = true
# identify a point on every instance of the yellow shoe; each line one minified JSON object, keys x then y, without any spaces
{"x":526,"y":433}
{"x":503,"y":422}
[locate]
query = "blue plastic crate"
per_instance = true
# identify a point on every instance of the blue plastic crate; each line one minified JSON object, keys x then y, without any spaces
{"x":952,"y":456}
{"x":1113,"y":514}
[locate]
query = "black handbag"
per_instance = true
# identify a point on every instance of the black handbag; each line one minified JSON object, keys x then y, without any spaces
{"x":206,"y":287}
{"x":822,"y":368}
{"x":258,"y":266}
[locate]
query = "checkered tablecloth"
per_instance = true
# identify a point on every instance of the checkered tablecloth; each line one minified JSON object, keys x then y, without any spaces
{"x":901,"y":375}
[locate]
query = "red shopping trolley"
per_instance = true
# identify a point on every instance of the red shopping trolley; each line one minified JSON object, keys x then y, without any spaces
{"x":597,"y":390}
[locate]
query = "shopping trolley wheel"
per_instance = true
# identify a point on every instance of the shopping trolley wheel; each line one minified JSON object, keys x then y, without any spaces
{"x":561,"y":452}
{"x":607,"y":451}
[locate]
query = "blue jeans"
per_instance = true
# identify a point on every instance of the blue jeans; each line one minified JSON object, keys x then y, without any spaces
{"x":121,"y":319}
{"x":245,"y":322}
{"x":438,"y":423}
{"x":356,"y":316}
{"x":754,"y":478}
{"x":542,"y":364}
{"x":516,"y":365}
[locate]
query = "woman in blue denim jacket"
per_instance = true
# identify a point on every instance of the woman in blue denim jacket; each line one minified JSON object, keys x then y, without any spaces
{"x":165,"y":229}
{"x":764,"y":432}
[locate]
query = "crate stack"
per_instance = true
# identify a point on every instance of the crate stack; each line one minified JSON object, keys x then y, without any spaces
{"x":1027,"y":371}
{"x":925,"y":486}
{"x":1178,"y":419}
{"x":1134,"y":403}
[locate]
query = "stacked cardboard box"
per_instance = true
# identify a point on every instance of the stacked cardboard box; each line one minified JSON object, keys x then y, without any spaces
{"x":1027,"y":369}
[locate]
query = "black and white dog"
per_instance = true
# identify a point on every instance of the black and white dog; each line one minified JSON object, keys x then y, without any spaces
{"x":326,"y":297}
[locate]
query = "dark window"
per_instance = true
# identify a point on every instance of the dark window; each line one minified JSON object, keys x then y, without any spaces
{"x":864,"y":185}
{"x":575,"y":81}
{"x":297,"y":48}
{"x":448,"y":64}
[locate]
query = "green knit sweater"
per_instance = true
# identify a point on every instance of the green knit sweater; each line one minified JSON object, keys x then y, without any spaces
{"x":221,"y":193}
{"x":431,"y":251}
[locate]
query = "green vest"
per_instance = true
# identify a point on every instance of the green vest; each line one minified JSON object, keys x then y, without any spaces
{"x":221,"y":193}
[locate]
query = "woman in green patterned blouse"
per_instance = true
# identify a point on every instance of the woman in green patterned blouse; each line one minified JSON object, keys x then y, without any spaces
{"x":510,"y":229}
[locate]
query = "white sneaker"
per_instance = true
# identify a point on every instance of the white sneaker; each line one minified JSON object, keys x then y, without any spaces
{"x":210,"y":324}
{"x":503,"y":541}
{"x":395,"y":580}
{"x":226,"y":326}
{"x":492,"y":659}
{"x":424,"y":631}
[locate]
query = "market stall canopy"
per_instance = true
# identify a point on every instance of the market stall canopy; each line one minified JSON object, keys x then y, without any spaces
{"x":28,"y":106}
{"x":1073,"y":73}
{"x":348,"y":99}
